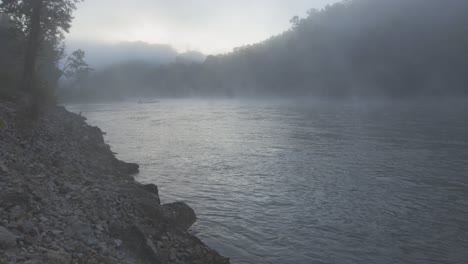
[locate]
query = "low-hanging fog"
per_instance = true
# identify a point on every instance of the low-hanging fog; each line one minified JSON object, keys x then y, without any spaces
{"x":395,"y":48}
{"x":299,"y":131}
{"x":102,"y":55}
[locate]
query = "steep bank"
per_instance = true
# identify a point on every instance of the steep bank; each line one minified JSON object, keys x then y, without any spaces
{"x":65,"y":198}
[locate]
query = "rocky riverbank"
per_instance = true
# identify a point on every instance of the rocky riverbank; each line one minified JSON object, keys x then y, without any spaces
{"x":65,"y":198}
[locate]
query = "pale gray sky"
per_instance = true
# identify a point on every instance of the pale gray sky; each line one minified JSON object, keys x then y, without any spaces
{"x":209,"y":26}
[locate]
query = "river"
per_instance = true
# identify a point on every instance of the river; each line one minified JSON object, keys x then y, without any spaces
{"x":305,"y":181}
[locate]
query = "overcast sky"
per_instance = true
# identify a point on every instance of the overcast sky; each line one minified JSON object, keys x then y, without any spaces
{"x":209,"y":26}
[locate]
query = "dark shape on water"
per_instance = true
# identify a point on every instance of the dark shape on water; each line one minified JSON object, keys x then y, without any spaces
{"x":148,"y":101}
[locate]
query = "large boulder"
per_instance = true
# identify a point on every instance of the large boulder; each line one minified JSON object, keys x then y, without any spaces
{"x":153,"y":189}
{"x":179,"y":215}
{"x":129,"y":168}
{"x":149,"y":208}
{"x":136,"y":243}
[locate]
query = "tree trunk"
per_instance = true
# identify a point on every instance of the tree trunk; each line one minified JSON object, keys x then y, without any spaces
{"x":32,"y":48}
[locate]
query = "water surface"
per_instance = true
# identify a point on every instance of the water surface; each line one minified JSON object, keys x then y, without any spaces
{"x":306,"y":182}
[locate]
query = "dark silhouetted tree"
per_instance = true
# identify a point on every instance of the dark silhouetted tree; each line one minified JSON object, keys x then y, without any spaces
{"x":41,"y":21}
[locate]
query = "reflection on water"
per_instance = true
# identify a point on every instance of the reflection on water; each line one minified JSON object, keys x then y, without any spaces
{"x":306,"y":182}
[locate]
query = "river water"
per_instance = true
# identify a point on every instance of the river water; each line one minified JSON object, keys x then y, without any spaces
{"x":302,"y":182}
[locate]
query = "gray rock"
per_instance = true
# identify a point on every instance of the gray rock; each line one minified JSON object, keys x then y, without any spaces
{"x":3,"y":168}
{"x":129,"y":168}
{"x":135,"y":239}
{"x":27,"y":227}
{"x":99,"y":227}
{"x":152,"y":188}
{"x":173,"y":254}
{"x":17,"y":212}
{"x":67,"y":188}
{"x":118,"y":242}
{"x":152,"y":247}
{"x":56,"y":232}
{"x":7,"y":239}
{"x":56,"y":257}
{"x":179,"y":215}
{"x":91,"y":241}
{"x":149,"y":208}
{"x":12,"y":199}
{"x":107,"y":218}
{"x":33,"y":261}
{"x":80,"y":230}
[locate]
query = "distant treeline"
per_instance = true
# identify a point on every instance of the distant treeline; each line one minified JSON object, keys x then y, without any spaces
{"x":393,"y":48}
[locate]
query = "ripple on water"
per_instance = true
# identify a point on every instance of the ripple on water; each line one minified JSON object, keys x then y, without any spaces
{"x":282,"y":182}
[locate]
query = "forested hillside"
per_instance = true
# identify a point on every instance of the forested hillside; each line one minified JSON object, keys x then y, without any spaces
{"x":392,"y":48}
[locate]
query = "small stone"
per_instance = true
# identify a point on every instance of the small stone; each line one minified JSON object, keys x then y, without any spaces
{"x":118,"y":242}
{"x":17,"y":212}
{"x":56,"y":232}
{"x":40,"y":176}
{"x":152,"y":247}
{"x":160,"y":244}
{"x":91,"y":241}
{"x":103,"y":249}
{"x":27,"y":227}
{"x":56,"y":257}
{"x":47,"y":239}
{"x":173,"y":254}
{"x":12,"y":225}
{"x":3,"y":168}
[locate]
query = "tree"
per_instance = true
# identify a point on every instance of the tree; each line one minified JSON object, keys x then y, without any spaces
{"x":74,"y":64}
{"x":56,"y":15}
{"x":76,"y":69}
{"x":39,"y":20}
{"x":32,"y":47}
{"x":295,"y":21}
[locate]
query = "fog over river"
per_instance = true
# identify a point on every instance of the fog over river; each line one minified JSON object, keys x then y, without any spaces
{"x":305,"y":182}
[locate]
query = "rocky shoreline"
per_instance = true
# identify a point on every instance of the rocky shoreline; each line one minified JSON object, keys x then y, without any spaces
{"x":65,"y":198}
